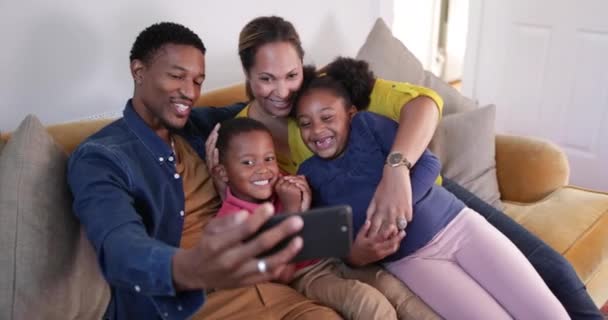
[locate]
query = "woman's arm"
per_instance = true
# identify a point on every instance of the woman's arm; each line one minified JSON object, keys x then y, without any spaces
{"x":424,"y":174}
{"x":393,"y":198}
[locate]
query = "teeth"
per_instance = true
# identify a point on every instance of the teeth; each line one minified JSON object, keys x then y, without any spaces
{"x":280,"y":103}
{"x":261,"y":182}
{"x":323,"y":141}
{"x":181,"y":107}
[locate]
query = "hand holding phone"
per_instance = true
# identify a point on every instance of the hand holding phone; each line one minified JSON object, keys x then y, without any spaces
{"x":327,"y":232}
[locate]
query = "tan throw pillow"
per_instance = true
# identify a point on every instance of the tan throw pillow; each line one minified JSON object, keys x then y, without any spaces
{"x":49,"y":269}
{"x":391,"y":60}
{"x":465,"y":144}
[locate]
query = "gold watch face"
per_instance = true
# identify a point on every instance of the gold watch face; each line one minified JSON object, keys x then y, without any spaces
{"x":394,"y":158}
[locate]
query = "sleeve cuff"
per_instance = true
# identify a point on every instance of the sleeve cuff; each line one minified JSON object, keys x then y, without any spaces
{"x":181,"y":306}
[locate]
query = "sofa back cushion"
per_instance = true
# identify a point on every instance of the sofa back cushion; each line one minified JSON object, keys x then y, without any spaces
{"x":465,"y":144}
{"x":390,"y":59}
{"x":467,"y":152}
{"x":49,"y":269}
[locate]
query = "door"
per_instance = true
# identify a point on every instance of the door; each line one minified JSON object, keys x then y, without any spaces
{"x":545,"y":66}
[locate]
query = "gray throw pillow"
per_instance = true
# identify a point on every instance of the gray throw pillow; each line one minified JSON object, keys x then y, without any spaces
{"x":49,"y":268}
{"x":391,"y":60}
{"x":467,"y":152}
{"x":465,"y":144}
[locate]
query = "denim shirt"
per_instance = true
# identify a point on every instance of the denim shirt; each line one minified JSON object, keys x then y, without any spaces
{"x":130,"y":200}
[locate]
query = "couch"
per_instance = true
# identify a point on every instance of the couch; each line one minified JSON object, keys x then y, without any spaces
{"x":527,"y":177}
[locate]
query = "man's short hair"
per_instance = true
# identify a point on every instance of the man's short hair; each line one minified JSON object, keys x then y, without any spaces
{"x":154,"y":37}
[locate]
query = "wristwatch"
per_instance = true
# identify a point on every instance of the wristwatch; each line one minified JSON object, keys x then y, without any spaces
{"x":396,"y":159}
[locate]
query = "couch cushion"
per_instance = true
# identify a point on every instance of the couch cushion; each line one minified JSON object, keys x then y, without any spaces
{"x":467,"y":153}
{"x":574,"y":222}
{"x":390,"y":59}
{"x":49,"y":269}
{"x":224,"y":96}
{"x":464,"y":142}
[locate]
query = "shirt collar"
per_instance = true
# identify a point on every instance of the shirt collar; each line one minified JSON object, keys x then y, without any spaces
{"x":161,"y":150}
{"x":249,"y":206}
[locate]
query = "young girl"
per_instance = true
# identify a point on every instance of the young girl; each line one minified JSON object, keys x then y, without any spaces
{"x":451,"y":257}
{"x":248,"y":165}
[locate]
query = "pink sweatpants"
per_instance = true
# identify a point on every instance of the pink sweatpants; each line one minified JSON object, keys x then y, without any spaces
{"x":472,"y":271}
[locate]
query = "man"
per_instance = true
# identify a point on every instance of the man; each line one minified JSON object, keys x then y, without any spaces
{"x":145,"y":198}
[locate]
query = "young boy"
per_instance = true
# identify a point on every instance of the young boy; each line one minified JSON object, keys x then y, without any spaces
{"x":247,"y":164}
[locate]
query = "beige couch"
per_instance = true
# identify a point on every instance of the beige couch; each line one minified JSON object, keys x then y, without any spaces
{"x":531,"y":178}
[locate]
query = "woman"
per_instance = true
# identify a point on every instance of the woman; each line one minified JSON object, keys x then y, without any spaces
{"x":272,"y":55}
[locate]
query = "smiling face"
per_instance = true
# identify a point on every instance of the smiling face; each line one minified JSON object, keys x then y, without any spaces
{"x":249,"y":166}
{"x":324,"y":122}
{"x":275,"y":77}
{"x":167,"y":85}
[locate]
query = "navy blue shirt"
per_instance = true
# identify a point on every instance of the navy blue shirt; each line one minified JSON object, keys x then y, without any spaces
{"x":353,"y":178}
{"x":130,"y":200}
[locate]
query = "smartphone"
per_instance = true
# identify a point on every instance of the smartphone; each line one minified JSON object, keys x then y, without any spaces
{"x":327,"y":232}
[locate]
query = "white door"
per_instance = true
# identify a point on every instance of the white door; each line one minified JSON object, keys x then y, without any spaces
{"x":544,"y":63}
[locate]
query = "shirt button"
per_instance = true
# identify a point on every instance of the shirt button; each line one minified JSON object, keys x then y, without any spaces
{"x":171,"y":159}
{"x":181,"y":213}
{"x":176,"y":176}
{"x":179,"y":308}
{"x":161,"y":159}
{"x":166,"y":315}
{"x":137,"y":288}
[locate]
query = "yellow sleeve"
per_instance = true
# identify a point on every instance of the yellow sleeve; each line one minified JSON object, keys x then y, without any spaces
{"x":388,"y":97}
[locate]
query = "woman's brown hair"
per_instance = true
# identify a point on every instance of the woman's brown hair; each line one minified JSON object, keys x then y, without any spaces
{"x":261,"y":31}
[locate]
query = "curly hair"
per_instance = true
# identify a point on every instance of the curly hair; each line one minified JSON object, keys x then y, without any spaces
{"x":233,"y":127}
{"x":154,"y":37}
{"x":347,"y":78}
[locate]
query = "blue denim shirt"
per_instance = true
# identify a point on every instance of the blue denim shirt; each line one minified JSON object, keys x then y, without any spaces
{"x":130,"y":199}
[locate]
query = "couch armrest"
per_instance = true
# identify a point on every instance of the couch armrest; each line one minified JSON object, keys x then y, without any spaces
{"x":529,"y":169}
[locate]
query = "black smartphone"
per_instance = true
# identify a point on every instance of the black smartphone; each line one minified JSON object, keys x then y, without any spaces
{"x":327,"y":232}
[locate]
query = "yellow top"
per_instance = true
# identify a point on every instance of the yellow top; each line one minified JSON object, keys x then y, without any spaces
{"x":387,"y":99}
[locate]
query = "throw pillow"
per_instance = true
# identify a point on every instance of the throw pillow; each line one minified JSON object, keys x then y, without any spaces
{"x":390,"y":59}
{"x":465,"y":144}
{"x":49,"y":269}
{"x":1,"y":144}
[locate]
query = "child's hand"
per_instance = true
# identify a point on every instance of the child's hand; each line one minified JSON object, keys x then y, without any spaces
{"x":368,"y":249}
{"x":300,"y":182}
{"x":294,"y":193}
{"x":212,"y":160}
{"x":286,"y":274}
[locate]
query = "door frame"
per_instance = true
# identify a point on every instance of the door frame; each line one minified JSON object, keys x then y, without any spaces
{"x":471,"y":65}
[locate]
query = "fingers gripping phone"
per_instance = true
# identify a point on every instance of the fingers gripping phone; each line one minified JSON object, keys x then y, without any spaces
{"x":327,"y":232}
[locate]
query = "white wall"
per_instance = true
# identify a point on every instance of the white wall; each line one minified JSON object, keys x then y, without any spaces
{"x":456,"y":41}
{"x":65,"y":60}
{"x":416,"y":24}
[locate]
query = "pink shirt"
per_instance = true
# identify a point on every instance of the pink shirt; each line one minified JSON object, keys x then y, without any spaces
{"x":233,"y":204}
